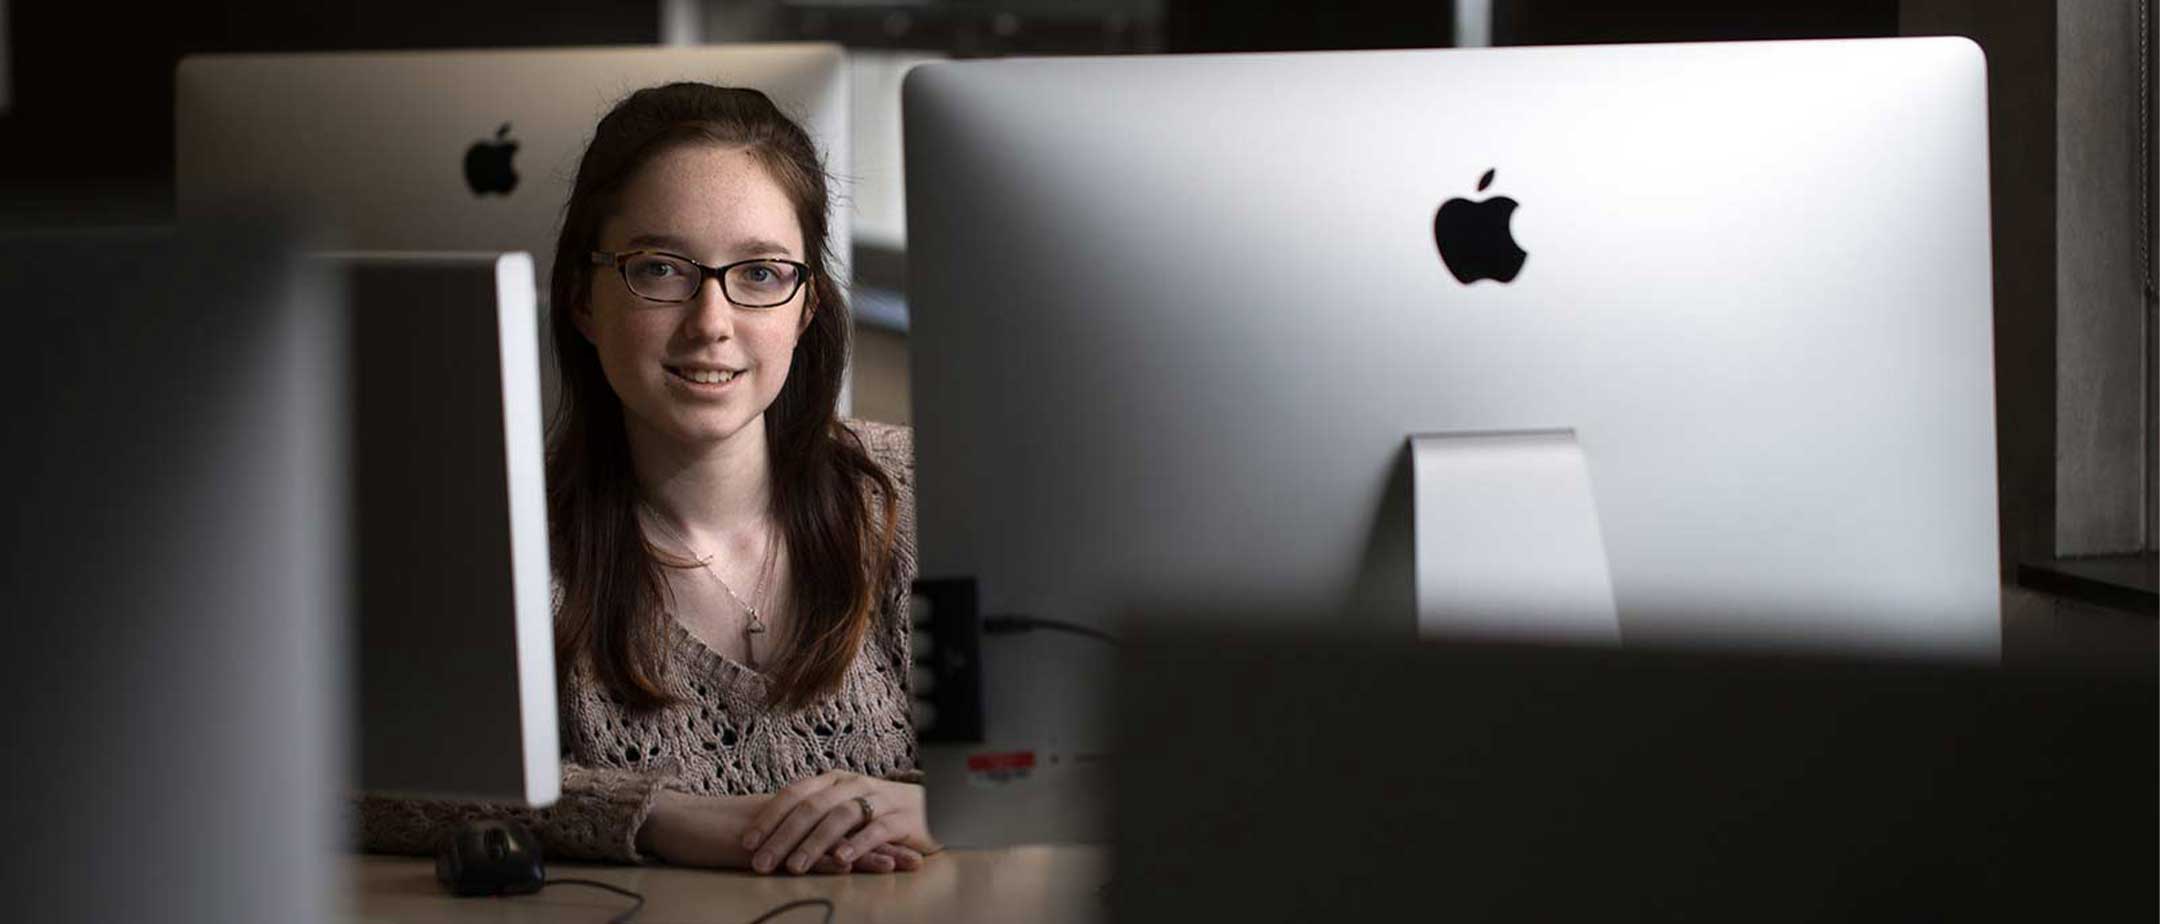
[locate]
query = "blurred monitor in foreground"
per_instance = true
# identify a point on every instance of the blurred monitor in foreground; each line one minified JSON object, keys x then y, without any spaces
{"x":175,"y":572}
{"x":1287,"y":776}
{"x":1177,"y":321}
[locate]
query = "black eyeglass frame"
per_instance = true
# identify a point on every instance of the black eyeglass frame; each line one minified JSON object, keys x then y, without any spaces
{"x":621,"y":262}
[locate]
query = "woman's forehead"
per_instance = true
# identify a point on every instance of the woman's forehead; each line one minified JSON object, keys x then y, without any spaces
{"x":706,"y":202}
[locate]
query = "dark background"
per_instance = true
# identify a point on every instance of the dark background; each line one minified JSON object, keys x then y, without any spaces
{"x":88,"y":138}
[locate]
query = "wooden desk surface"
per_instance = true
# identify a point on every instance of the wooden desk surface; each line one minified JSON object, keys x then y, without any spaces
{"x":1046,"y":884}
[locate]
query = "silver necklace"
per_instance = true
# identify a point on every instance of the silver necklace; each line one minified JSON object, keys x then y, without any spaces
{"x":756,"y":626}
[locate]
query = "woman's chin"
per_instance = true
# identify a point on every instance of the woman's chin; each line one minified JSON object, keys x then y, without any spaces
{"x":694,"y":431}
{"x":703,"y":431}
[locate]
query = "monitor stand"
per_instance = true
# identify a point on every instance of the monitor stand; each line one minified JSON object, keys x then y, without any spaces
{"x":1507,"y":539}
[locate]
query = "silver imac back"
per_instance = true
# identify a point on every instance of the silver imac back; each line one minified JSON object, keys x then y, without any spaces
{"x":456,"y":658}
{"x":453,"y":150}
{"x":1175,"y":319}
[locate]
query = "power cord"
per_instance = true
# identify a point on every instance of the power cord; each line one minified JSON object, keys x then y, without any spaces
{"x":2144,"y":131}
{"x":2145,"y":227}
{"x":798,"y":903}
{"x":624,"y":918}
{"x":1007,"y":625}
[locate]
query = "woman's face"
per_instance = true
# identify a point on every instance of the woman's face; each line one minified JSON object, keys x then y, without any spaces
{"x":715,"y":205}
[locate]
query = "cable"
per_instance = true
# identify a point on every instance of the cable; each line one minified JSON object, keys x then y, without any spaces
{"x":799,"y":903}
{"x":2145,"y":236}
{"x":623,"y":918}
{"x":1006,"y":625}
{"x":2144,"y":61}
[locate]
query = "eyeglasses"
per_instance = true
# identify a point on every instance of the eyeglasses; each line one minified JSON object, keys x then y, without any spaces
{"x":665,"y":277}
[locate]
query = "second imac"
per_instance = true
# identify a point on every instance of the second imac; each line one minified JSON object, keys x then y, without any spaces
{"x":1177,"y":320}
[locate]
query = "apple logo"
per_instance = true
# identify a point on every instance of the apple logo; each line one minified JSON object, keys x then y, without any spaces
{"x":1474,"y":239}
{"x":487,"y":164}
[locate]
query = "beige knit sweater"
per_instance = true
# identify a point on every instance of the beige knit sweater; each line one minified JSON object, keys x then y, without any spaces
{"x":720,"y":738}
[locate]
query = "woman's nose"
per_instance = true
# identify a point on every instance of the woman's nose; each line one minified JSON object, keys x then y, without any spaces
{"x":710,"y":317}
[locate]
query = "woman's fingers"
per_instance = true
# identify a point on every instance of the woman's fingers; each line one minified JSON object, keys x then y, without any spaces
{"x":809,"y":826}
{"x":876,"y":863}
{"x":887,"y":858}
{"x":824,"y":836}
{"x":798,"y":840}
{"x":783,"y":835}
{"x":861,"y":842}
{"x":776,"y":809}
{"x":905,"y":859}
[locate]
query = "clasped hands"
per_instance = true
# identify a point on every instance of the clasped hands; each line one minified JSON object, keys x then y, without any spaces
{"x":811,"y":825}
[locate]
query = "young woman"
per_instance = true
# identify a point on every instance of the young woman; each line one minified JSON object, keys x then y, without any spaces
{"x":732,"y":560}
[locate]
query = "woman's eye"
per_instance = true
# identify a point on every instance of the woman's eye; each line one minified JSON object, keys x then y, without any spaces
{"x":759,"y":275}
{"x":657,"y":269}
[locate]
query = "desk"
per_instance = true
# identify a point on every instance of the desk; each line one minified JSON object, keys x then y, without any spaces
{"x":1046,"y":884}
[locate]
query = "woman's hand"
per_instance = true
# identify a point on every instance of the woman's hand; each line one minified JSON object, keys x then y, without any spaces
{"x":884,"y":858}
{"x":813,"y":818}
{"x":688,"y":830}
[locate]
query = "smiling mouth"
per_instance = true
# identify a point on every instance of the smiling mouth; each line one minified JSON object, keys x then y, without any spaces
{"x":704,"y":376}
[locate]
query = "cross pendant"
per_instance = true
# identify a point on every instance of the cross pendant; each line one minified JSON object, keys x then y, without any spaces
{"x":749,"y":638}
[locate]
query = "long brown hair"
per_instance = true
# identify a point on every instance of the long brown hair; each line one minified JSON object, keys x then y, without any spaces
{"x":613,"y":579}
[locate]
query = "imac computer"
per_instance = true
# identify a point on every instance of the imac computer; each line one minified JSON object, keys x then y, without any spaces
{"x":1672,"y":344}
{"x":453,"y":150}
{"x":1487,"y":781}
{"x":236,"y":466}
{"x":454,"y":636}
{"x":456,"y":150}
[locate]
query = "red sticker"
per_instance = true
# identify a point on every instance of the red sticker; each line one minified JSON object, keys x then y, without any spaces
{"x":994,"y":768}
{"x":1010,"y":760}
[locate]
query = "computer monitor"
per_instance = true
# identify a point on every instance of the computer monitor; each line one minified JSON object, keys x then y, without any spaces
{"x":1299,"y":775}
{"x":454,"y":637}
{"x":456,"y":150}
{"x":453,"y":150}
{"x":175,"y":569}
{"x":1175,"y":321}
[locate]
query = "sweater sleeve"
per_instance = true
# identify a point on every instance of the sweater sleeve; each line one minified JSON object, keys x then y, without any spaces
{"x":597,"y":817}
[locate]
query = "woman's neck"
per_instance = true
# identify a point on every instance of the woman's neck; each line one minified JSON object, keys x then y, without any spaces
{"x":716,"y":495}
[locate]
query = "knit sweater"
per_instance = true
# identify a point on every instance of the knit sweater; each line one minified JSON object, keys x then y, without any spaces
{"x":719,"y":738}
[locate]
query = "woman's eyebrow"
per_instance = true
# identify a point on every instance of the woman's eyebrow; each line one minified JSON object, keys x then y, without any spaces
{"x":664,"y":241}
{"x":753,"y":247}
{"x":759,"y":247}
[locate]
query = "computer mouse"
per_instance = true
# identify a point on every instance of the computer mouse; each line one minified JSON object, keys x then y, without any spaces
{"x":491,"y":857}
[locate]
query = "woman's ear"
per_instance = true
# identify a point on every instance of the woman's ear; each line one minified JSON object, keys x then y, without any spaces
{"x":582,"y":317}
{"x":810,"y":307}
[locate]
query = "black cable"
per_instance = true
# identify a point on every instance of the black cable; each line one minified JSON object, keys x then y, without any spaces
{"x":1005,"y":625}
{"x":623,"y":918}
{"x":2144,"y":122}
{"x":2145,"y":236}
{"x":798,"y":903}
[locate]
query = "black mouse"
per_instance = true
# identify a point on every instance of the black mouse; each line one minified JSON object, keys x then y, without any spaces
{"x":490,"y":858}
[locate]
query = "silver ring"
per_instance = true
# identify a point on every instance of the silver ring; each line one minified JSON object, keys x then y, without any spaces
{"x":863,"y":802}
